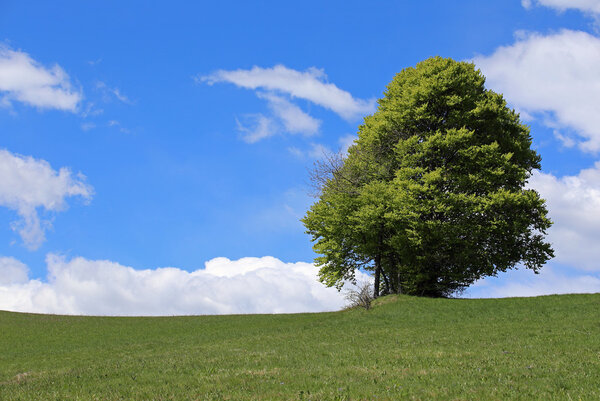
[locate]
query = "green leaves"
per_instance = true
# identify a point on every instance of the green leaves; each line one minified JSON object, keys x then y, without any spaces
{"x":432,"y":193}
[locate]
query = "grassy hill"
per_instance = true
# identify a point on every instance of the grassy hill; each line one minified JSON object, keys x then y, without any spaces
{"x":542,"y":348}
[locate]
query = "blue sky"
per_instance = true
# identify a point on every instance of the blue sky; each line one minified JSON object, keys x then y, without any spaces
{"x":143,"y":135}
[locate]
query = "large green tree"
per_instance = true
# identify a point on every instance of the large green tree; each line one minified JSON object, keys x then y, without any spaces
{"x":432,"y":195}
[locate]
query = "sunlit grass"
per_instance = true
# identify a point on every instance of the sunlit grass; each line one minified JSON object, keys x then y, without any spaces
{"x":542,"y":348}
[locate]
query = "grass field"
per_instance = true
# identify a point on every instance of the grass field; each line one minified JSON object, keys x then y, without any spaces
{"x":544,"y":348}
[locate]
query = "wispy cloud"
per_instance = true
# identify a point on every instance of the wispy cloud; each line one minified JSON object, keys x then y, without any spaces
{"x":294,"y":120}
{"x":117,"y":124}
{"x":109,"y":93}
{"x":29,"y":184}
{"x":346,"y":141}
{"x":255,"y":127}
{"x":90,"y":110}
{"x":101,"y":287}
{"x":309,"y":85}
{"x":313,"y":151}
{"x":88,"y":126}
{"x":319,"y":151}
{"x":22,"y":79}
{"x":554,"y":78}
{"x":94,"y":63}
{"x":286,"y":117}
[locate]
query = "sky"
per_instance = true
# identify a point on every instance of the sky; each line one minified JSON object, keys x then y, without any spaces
{"x":154,"y":156}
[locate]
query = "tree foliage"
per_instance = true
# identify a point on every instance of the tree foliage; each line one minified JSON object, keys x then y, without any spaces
{"x":432,"y":195}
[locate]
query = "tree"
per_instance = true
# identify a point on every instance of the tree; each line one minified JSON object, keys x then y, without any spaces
{"x":432,"y":195}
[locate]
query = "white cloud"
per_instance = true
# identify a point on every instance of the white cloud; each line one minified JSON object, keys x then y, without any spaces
{"x":309,"y":85}
{"x":555,"y":76}
{"x":25,"y":80}
{"x":28,"y":184}
{"x":121,"y":96}
{"x":256,"y":127}
{"x":109,"y":92}
{"x":90,"y":110}
{"x":524,"y":283}
{"x":296,"y":152}
{"x":117,"y":124}
{"x":567,"y":141}
{"x":94,"y":63}
{"x":286,"y":117}
{"x":12,"y":271}
{"x":294,"y":120}
{"x":100,"y":287}
{"x":574,"y":206}
{"x":315,"y":150}
{"x":587,"y":6}
{"x":347,"y":141}
{"x":88,"y":126}
{"x":318,"y":151}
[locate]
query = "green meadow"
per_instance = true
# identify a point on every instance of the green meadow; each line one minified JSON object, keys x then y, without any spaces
{"x":405,"y":348}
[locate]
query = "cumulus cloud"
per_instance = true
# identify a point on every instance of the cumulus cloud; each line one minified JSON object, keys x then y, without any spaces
{"x":309,"y":85}
{"x":12,"y":271}
{"x":29,"y":184}
{"x":587,"y":6}
{"x":100,"y":287}
{"x":574,"y":206}
{"x":553,"y":77}
{"x":25,"y":80}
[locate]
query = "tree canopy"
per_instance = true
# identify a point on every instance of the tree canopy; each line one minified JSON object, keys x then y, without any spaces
{"x":432,"y":195}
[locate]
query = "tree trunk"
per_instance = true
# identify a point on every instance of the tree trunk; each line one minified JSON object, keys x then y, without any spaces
{"x":388,"y":289}
{"x":377,"y":275}
{"x":399,"y":288}
{"x":378,"y":262}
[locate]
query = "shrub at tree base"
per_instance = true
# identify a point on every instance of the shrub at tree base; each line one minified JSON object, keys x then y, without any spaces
{"x":361,"y":296}
{"x":432,"y":195}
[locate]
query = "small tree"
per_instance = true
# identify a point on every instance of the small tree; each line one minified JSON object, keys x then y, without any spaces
{"x":432,"y":196}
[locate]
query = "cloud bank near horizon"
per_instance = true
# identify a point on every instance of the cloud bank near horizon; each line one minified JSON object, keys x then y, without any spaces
{"x":79,"y":286}
{"x":524,"y":283}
